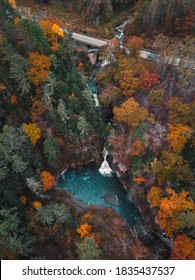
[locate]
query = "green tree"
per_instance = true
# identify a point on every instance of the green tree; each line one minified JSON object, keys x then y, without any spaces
{"x":88,"y":250}
{"x":14,"y":240}
{"x":51,"y":150}
{"x":32,"y":32}
{"x":53,"y":214}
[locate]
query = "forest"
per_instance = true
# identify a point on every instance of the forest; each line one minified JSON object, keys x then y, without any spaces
{"x":49,"y":123}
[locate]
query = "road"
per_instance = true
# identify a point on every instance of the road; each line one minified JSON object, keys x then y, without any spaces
{"x":145,"y":54}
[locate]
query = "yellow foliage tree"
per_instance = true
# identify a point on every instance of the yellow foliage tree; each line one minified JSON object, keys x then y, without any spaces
{"x":47,"y":180}
{"x":84,"y":230}
{"x":131,"y":113}
{"x":171,"y":167}
{"x":53,"y":31}
{"x":178,"y":135}
{"x":40,"y":66}
{"x":179,"y":112}
{"x":33,"y":132}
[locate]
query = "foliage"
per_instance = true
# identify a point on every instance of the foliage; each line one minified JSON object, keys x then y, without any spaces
{"x":47,"y":180}
{"x":32,"y":131}
{"x":179,"y":112}
{"x":53,"y":31}
{"x":155,"y":196}
{"x":178,"y":135}
{"x":184,"y":248}
{"x":18,"y":71}
{"x":11,"y":155}
{"x":171,"y":207}
{"x":53,"y":214}
{"x":12,"y":3}
{"x":39,"y":68}
{"x":187,"y":219}
{"x":171,"y":167}
{"x":13,"y":238}
{"x":155,"y":97}
{"x":88,"y":250}
{"x":137,"y":148}
{"x":148,"y":80}
{"x":135,"y":43}
{"x":131,"y":113}
{"x":84,"y":230}
{"x":51,"y":150}
{"x":36,"y":204}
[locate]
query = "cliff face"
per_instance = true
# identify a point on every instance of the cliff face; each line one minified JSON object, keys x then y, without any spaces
{"x":135,"y":193}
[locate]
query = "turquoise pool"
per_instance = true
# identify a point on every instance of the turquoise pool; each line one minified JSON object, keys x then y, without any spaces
{"x":89,"y":186}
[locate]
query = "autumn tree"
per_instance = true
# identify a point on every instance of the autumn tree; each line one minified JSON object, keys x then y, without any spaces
{"x":179,"y":112}
{"x":32,"y":131}
{"x":39,"y":68}
{"x":53,"y":31}
{"x":137,"y":148}
{"x":155,"y":196}
{"x":156,"y":97}
{"x":171,"y":207}
{"x":171,"y":167}
{"x":148,"y":80}
{"x":135,"y":43}
{"x":12,"y":3}
{"x":84,"y":230}
{"x":183,"y":248}
{"x":178,"y":136}
{"x":131,"y":113}
{"x":47,"y":180}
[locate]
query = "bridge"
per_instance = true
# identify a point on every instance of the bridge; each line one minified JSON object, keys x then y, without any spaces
{"x":88,"y":40}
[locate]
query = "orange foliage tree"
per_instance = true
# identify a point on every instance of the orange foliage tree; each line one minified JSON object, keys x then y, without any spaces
{"x":39,"y":68}
{"x":171,"y":207}
{"x":135,"y":43}
{"x":53,"y":31}
{"x":84,"y":230}
{"x":128,"y":83}
{"x":12,"y":3}
{"x":137,"y":148}
{"x":184,"y":248}
{"x":178,"y":136}
{"x":131,"y":113}
{"x":155,"y":196}
{"x":48,"y":180}
{"x":33,"y":132}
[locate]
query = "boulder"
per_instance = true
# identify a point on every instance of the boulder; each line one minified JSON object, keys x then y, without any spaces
{"x":111,"y":199}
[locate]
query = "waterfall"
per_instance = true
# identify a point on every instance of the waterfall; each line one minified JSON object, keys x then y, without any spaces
{"x":105,"y":169}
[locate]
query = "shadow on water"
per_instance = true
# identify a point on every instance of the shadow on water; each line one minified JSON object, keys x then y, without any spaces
{"x":89,"y":186}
